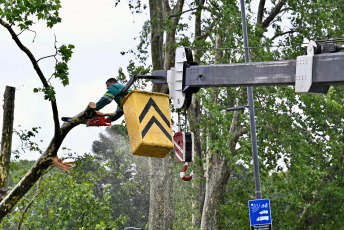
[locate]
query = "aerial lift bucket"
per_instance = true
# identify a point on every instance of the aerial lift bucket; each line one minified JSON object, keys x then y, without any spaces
{"x":148,"y":119}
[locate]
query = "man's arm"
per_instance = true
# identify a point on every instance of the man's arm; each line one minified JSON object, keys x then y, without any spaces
{"x":119,"y":113}
{"x":104,"y":100}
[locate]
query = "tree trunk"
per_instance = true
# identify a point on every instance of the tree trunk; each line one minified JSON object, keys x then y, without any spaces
{"x":218,"y":175}
{"x":6,"y":141}
{"x":161,"y":210}
{"x":157,"y":33}
{"x":198,"y":179}
{"x":193,"y":116}
{"x":156,"y":203}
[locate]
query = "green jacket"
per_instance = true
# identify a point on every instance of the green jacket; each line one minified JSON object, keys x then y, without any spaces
{"x":112,"y":94}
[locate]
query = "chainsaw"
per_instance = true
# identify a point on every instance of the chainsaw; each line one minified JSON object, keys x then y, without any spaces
{"x":99,"y":120}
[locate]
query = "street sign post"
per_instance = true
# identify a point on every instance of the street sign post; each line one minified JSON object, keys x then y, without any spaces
{"x":260,"y":214}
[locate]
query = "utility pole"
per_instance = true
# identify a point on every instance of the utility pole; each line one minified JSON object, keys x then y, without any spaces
{"x":251,"y":108}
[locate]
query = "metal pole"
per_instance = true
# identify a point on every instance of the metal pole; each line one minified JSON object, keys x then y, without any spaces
{"x":251,"y":108}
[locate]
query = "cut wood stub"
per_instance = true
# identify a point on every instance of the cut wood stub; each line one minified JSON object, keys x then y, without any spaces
{"x":92,"y":105}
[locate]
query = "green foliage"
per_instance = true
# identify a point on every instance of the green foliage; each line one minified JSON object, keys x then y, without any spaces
{"x":27,"y":141}
{"x":135,"y":6}
{"x":61,"y":71}
{"x":66,"y":201}
{"x":49,"y":92}
{"x":61,"y":68}
{"x":23,"y":13}
{"x":133,"y":69}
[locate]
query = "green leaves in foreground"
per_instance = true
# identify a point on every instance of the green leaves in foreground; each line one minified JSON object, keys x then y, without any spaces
{"x":23,"y":12}
{"x":61,"y":68}
{"x":65,"y":201}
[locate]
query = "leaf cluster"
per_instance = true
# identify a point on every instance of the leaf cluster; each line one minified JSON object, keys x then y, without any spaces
{"x":22,"y":12}
{"x":61,"y":68}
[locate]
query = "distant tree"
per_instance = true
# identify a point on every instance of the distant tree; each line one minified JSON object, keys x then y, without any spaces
{"x":65,"y":201}
{"x":127,"y":177}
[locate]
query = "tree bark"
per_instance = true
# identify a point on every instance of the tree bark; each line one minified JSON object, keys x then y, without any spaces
{"x":161,"y":210}
{"x":171,"y":31}
{"x":156,"y":176}
{"x":219,"y":173}
{"x":43,"y":163}
{"x":199,"y":185}
{"x":157,"y":33}
{"x":260,"y":13}
{"x":6,"y":141}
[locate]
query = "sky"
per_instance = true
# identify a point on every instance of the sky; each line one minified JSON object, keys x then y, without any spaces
{"x":99,"y":31}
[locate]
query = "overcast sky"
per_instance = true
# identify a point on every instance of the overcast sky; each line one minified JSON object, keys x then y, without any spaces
{"x":99,"y":31}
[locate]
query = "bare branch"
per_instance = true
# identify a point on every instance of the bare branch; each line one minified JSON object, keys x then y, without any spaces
{"x":30,"y":31}
{"x":38,"y":71}
{"x":53,"y":55}
{"x":283,"y":33}
{"x":56,"y":61}
{"x":285,"y":9}
{"x":186,"y":11}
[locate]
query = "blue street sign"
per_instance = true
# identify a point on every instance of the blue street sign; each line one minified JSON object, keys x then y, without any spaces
{"x":260,"y":214}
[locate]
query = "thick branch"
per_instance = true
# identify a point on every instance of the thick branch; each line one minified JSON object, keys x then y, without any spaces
{"x":260,"y":11}
{"x":178,"y":7}
{"x":284,"y":33}
{"x":275,"y":11}
{"x":174,"y":13}
{"x":171,"y":32}
{"x":37,"y":69}
{"x":43,"y":163}
{"x":156,"y":16}
{"x":181,"y":13}
{"x":198,"y":19}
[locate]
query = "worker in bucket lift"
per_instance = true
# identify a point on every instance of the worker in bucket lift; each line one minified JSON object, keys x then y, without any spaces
{"x":114,"y":88}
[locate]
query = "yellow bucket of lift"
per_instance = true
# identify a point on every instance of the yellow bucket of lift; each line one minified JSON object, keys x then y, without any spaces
{"x":148,"y":119}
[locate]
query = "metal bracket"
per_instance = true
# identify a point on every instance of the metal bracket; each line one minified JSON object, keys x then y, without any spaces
{"x":175,"y":79}
{"x":304,"y":70}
